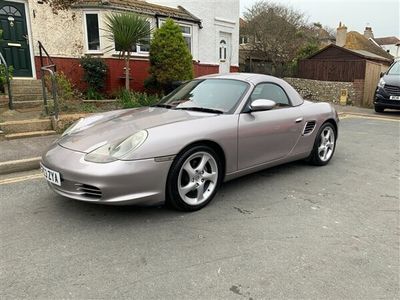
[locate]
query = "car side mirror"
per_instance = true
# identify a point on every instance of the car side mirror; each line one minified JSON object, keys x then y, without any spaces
{"x":262,"y":104}
{"x":381,"y":75}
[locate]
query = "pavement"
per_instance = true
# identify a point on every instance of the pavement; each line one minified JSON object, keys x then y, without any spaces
{"x":294,"y":231}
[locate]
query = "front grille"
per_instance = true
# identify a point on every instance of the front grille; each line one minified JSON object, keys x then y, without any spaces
{"x":392,"y":90}
{"x":88,"y":190}
{"x":309,"y":127}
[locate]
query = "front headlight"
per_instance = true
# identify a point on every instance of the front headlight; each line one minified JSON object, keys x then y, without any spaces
{"x":381,"y":83}
{"x":109,"y":153}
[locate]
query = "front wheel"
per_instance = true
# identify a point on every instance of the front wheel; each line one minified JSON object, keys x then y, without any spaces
{"x":324,"y":146}
{"x":194,"y":178}
{"x":379,"y":109}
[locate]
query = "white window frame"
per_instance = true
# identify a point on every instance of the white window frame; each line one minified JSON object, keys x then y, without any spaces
{"x":138,"y":52}
{"x":87,"y":50}
{"x":182,"y":24}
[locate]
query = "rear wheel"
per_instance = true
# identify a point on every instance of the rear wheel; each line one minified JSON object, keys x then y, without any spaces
{"x":194,"y":178}
{"x":324,"y":146}
{"x":379,"y":109}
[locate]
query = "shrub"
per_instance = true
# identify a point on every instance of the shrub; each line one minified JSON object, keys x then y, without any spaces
{"x":65,"y":89}
{"x":3,"y":77}
{"x":129,"y":99}
{"x":95,"y":72}
{"x":170,"y":58}
{"x":92,"y":94}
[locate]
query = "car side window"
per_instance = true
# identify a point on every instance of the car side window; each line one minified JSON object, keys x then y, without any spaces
{"x":271,"y":91}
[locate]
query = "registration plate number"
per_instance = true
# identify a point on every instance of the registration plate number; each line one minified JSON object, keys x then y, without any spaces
{"x":51,"y":176}
{"x":394,"y":97}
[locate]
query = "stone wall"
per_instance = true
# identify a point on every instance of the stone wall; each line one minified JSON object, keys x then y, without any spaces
{"x":328,"y":91}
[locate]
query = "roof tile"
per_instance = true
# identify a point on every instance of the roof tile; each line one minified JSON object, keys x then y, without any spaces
{"x":140,"y":6}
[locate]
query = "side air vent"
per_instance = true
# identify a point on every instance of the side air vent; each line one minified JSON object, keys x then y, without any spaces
{"x":309,"y":128}
{"x":88,"y":191}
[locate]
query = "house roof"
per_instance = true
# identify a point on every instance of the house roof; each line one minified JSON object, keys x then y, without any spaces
{"x":360,"y":53}
{"x":142,"y":7}
{"x":388,"y":40}
{"x":356,"y":41}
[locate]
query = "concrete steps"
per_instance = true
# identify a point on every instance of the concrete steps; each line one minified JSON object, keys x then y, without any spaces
{"x":27,"y":93}
{"x":12,"y":130}
{"x":26,"y":125}
{"x":24,"y":135}
{"x":38,"y":104}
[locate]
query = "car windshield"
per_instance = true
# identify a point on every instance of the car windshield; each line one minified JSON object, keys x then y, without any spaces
{"x":221,"y":95}
{"x":395,"y":69}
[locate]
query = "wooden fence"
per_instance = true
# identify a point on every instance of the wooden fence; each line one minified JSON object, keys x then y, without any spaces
{"x":338,"y":70}
{"x":372,"y":75}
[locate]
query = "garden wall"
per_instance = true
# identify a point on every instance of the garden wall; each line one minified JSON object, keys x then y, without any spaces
{"x":328,"y":91}
{"x":115,"y":76}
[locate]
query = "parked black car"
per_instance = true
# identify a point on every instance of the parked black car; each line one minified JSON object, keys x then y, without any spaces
{"x":387,"y":93}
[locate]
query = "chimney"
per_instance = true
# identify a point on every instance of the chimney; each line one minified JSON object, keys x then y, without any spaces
{"x":341,"y":34}
{"x":368,"y":33}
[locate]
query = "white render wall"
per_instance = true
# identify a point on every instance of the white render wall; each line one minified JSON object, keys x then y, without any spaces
{"x":63,"y":34}
{"x":217,"y":16}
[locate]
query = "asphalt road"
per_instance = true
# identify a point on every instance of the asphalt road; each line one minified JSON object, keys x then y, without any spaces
{"x":294,"y":231}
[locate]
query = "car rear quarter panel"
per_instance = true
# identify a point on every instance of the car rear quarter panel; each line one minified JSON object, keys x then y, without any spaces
{"x":319,"y":112}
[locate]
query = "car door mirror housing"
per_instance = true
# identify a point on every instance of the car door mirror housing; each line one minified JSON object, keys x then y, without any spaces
{"x":262,"y":104}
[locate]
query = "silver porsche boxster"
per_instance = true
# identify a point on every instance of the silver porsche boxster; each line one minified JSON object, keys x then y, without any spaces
{"x":209,"y":130}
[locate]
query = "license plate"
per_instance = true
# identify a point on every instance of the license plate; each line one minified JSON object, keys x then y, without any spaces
{"x":51,"y":176}
{"x":394,"y":97}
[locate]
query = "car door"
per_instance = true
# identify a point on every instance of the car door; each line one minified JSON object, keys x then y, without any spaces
{"x":265,"y":136}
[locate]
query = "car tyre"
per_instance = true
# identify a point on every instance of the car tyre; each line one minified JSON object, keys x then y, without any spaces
{"x":379,"y":109}
{"x":324,"y":145}
{"x":194,"y":178}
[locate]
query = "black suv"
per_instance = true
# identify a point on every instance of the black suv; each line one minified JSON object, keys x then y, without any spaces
{"x":387,"y":93}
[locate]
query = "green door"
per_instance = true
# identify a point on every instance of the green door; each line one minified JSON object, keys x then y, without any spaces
{"x":14,"y":41}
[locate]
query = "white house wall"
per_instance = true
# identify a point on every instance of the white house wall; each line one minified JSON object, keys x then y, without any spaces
{"x":217,"y":16}
{"x":62,"y":34}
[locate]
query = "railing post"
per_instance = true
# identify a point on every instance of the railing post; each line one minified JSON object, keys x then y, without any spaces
{"x":10,"y":97}
{"x":44,"y":91}
{"x":54,"y":91}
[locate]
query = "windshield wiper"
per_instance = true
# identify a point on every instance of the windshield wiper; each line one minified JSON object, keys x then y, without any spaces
{"x":202,"y":109}
{"x":162,"y":105}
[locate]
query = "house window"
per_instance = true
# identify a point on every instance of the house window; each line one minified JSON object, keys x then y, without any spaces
{"x":244,"y":40}
{"x":222,"y":50}
{"x":141,"y":48}
{"x":186,"y":32}
{"x":92,"y":32}
{"x":187,"y":35}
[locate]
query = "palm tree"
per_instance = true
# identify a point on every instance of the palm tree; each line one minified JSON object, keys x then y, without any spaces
{"x":126,"y":30}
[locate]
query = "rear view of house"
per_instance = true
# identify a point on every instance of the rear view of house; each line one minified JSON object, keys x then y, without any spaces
{"x":211,"y":35}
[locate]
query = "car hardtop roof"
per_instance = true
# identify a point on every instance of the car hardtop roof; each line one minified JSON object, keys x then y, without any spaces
{"x":248,"y":77}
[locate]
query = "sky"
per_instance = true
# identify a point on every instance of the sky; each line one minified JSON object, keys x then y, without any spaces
{"x":382,"y":15}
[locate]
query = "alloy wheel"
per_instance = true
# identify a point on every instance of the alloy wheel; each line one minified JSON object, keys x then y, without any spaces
{"x":198,"y":178}
{"x":327,"y":144}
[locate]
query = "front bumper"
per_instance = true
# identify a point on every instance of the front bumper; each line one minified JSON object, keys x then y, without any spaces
{"x":119,"y":182}
{"x":382,"y":99}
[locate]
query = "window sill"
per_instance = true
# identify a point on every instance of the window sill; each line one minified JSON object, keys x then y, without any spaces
{"x":94,"y":53}
{"x":133,"y":55}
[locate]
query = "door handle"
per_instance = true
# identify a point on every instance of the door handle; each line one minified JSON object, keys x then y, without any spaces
{"x":299,"y":120}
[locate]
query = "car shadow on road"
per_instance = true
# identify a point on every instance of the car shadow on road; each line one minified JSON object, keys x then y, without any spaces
{"x":247,"y":184}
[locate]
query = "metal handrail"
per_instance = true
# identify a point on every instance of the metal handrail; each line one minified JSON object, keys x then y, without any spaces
{"x":51,"y":69}
{"x":53,"y":90}
{"x":41,"y":50}
{"x":10,"y":98}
